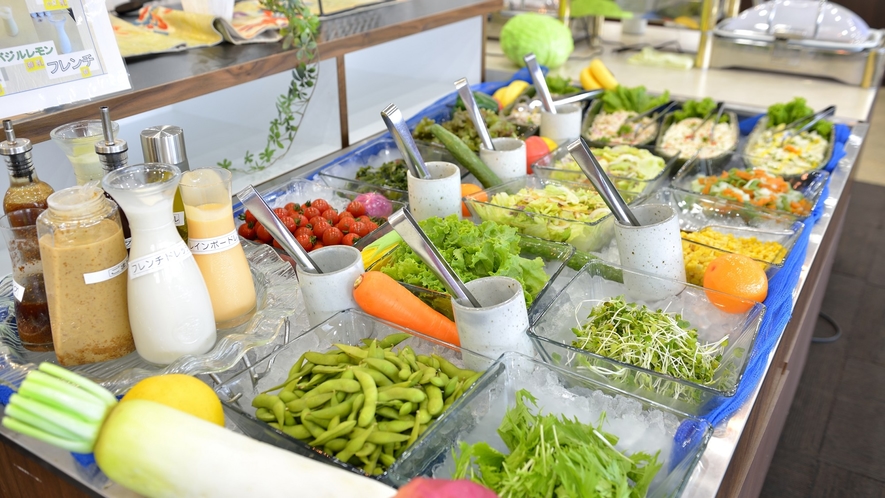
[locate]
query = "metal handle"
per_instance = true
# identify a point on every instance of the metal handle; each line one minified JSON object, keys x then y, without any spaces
{"x":405,"y":225}
{"x":540,"y":83}
{"x":473,"y":112}
{"x":591,"y":167}
{"x":578,"y":97}
{"x":254,"y":203}
{"x":791,"y":129}
{"x":393,"y":118}
{"x":718,"y":110}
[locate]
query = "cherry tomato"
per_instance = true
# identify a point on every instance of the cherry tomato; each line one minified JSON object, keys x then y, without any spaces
{"x":292,"y":207}
{"x":306,"y":241}
{"x":317,"y":245}
{"x":346,"y":214}
{"x":277,"y":244}
{"x":331,"y":215}
{"x":372,"y":226}
{"x":305,"y":230}
{"x":311,"y":211}
{"x":316,"y":219}
{"x":346,"y":225}
{"x":249,"y":217}
{"x":289,"y":222}
{"x":350,"y":239}
{"x":356,"y":208}
{"x":320,"y":204}
{"x":300,"y":220}
{"x":364,"y":219}
{"x":320,"y":226}
{"x":280,"y":212}
{"x":262,"y":233}
{"x":359,"y":228}
{"x":247,"y":231}
{"x":332,"y":236}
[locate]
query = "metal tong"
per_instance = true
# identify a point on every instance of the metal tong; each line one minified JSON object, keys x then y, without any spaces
{"x":540,"y":83}
{"x":578,"y":97}
{"x":254,"y":203}
{"x":405,"y":225}
{"x":393,"y":118}
{"x":473,"y":112}
{"x":646,"y":113}
{"x":580,"y":151}
{"x":791,"y":130}
{"x":718,"y":110}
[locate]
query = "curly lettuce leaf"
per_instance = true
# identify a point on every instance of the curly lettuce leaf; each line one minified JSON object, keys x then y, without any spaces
{"x":473,"y":251}
{"x":632,"y":99}
{"x":784,"y":114}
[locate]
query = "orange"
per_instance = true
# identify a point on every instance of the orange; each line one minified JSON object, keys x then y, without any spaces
{"x":475,"y":192}
{"x":736,"y":275}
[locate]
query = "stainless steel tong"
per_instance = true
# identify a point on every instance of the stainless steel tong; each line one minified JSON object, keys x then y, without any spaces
{"x":399,"y":130}
{"x":540,"y":83}
{"x":405,"y":225}
{"x":718,"y":112}
{"x":580,"y":151}
{"x":791,"y":129}
{"x":254,"y":203}
{"x":473,"y":111}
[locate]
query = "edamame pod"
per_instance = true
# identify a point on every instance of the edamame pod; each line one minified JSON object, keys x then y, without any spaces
{"x":297,"y":431}
{"x":355,"y":444}
{"x":265,"y":415}
{"x":298,"y":405}
{"x":340,"y":385}
{"x":340,"y":410}
{"x":393,"y":340}
{"x":335,"y":445}
{"x":265,"y":401}
{"x":366,"y":450}
{"x":330,"y":434}
{"x":406,"y":408}
{"x":353,"y":351}
{"x":385,"y":367}
{"x":328,"y":359}
{"x":451,"y":370}
{"x":395,"y":426}
{"x":379,"y":378}
{"x":402,"y":393}
{"x":287,"y":396}
{"x":434,"y":400}
{"x":370,"y":391}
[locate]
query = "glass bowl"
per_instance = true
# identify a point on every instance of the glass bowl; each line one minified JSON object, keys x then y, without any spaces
{"x":554,"y":254}
{"x":810,"y":185}
{"x":640,"y":425}
{"x":347,"y":327}
{"x":598,"y":282}
{"x":585,"y":236}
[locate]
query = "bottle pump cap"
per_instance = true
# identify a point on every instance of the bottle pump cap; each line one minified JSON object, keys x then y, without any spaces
{"x":110,"y":144}
{"x":13,"y":146}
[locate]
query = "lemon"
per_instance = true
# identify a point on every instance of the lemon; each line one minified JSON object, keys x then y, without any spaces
{"x":181,"y":392}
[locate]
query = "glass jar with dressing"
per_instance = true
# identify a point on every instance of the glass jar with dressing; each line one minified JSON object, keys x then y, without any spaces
{"x":84,"y":271}
{"x":213,"y":240}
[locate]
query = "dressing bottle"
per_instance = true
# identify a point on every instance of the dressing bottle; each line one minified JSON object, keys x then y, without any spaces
{"x":84,"y":266}
{"x":213,"y":240}
{"x":25,"y":189}
{"x":169,"y":306}
{"x":165,"y":144}
{"x":113,"y":153}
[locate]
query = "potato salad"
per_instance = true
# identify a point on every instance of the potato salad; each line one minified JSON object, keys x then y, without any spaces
{"x":613,"y":128}
{"x":708,"y":141}
{"x":798,"y":154}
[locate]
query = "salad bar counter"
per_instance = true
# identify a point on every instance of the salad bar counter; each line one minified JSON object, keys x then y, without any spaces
{"x":634,"y":325}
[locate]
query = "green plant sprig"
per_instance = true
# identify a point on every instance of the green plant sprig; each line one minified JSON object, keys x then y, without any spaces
{"x":300,"y":35}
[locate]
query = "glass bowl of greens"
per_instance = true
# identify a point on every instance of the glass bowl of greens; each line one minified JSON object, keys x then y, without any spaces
{"x":557,"y":211}
{"x":458,"y":122}
{"x":631,"y":169}
{"x":476,"y":250}
{"x":681,"y":351}
{"x":523,"y":409}
{"x":378,"y":167}
{"x":344,"y":338}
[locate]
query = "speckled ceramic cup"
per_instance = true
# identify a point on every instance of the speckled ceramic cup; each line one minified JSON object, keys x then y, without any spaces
{"x":654,"y":247}
{"x":438,"y":196}
{"x":329,"y":292}
{"x":507,"y":160}
{"x":500,"y":325}
{"x":562,"y":126}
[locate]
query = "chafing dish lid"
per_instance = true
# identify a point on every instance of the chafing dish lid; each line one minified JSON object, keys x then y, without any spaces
{"x":798,"y":20}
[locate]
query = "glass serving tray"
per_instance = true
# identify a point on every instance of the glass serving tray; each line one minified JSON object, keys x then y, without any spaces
{"x":280,"y":311}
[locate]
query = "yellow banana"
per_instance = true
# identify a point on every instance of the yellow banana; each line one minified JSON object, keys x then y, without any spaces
{"x":603,"y":75}
{"x":588,"y":82}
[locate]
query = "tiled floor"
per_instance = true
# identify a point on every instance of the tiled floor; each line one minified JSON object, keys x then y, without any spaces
{"x":833,"y":444}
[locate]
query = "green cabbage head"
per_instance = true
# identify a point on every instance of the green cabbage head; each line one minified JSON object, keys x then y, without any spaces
{"x":548,"y":38}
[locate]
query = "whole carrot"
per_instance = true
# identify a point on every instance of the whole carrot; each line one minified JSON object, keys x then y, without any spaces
{"x":381,"y":296}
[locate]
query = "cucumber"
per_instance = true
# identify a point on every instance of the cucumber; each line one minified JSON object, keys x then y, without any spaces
{"x":465,"y":156}
{"x":483,"y":101}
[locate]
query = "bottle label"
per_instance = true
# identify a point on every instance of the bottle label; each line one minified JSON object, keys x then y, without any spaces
{"x":172,"y":256}
{"x":215,"y":244}
{"x":128,"y":242}
{"x":178,"y":217}
{"x":103,"y":275}
{"x":18,"y":291}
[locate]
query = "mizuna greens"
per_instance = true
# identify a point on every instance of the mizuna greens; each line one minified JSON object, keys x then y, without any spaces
{"x":650,"y":339}
{"x":554,"y":456}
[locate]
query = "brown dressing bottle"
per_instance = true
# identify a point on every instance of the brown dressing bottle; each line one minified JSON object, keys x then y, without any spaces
{"x":26,"y":190}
